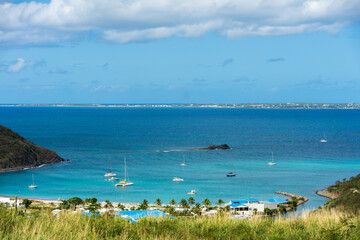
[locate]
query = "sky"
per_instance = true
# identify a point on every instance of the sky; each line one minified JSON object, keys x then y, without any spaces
{"x":179,"y":51}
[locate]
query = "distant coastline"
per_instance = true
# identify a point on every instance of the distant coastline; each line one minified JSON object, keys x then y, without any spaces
{"x":288,"y":105}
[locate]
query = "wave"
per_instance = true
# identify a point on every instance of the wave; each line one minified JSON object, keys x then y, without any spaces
{"x":179,"y":150}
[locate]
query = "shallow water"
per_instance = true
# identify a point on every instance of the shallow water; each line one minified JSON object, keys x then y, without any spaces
{"x":97,"y":138}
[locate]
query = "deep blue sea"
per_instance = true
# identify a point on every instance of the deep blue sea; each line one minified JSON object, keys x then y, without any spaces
{"x":97,"y":138}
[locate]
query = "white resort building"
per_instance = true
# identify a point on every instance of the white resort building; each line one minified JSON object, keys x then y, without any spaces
{"x":247,"y":206}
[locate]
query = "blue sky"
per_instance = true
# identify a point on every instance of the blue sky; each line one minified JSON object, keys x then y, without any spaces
{"x":177,"y":52}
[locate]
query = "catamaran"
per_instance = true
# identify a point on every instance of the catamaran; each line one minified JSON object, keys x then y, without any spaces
{"x":33,"y":185}
{"x":124,"y":183}
{"x":183,"y":164}
{"x":272,"y":160}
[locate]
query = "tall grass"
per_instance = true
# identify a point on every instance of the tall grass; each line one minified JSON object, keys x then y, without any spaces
{"x":320,"y":225}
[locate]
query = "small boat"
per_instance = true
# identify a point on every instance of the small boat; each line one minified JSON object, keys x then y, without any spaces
{"x":232,"y":174}
{"x":192,"y":192}
{"x":33,"y":185}
{"x":183,"y":164}
{"x":124,"y":183}
{"x":112,"y":179}
{"x":176,"y":179}
{"x":272,"y":160}
{"x":323,"y":140}
{"x":109,"y":174}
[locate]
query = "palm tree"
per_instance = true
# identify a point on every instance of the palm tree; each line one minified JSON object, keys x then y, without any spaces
{"x":219,"y":202}
{"x":207,"y":202}
{"x":191,"y":201}
{"x":158,"y":202}
{"x":172,"y":202}
{"x":184,"y":203}
{"x":121,"y":206}
{"x":145,"y":204}
{"x":108,"y":204}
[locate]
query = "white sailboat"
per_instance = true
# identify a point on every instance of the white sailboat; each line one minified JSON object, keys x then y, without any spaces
{"x":272,"y":160}
{"x":183,"y":164}
{"x":124,"y":183}
{"x":232,"y":174}
{"x":33,"y":185}
{"x":323,"y":140}
{"x":110,"y":173}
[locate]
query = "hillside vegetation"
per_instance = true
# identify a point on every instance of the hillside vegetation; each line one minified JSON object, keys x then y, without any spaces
{"x":348,"y":195}
{"x":43,"y":225}
{"x":16,"y":152}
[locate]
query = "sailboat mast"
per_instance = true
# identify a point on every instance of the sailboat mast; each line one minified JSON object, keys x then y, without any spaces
{"x":272,"y":156}
{"x":125,"y":167}
{"x":33,"y":179}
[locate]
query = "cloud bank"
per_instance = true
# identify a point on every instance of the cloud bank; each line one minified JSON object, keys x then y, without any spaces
{"x":125,"y":21}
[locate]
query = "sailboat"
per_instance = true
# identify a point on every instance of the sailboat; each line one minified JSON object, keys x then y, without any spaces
{"x":183,"y":164}
{"x":124,"y":183}
{"x":231,"y":174}
{"x":33,"y":185}
{"x":323,"y":140}
{"x":110,"y":173}
{"x":272,"y":160}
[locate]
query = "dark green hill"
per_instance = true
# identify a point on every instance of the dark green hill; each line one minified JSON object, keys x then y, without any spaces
{"x":16,"y":152}
{"x":347,"y":194}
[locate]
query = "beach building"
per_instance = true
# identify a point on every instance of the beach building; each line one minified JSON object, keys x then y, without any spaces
{"x":246,"y":207}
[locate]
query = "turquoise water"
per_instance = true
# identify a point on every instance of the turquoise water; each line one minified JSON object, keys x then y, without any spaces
{"x":147,"y":137}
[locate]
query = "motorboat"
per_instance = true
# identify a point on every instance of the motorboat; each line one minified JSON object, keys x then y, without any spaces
{"x":192,"y":192}
{"x":109,"y":174}
{"x":176,"y":179}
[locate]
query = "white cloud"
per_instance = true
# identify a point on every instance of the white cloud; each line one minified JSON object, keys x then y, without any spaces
{"x":141,"y":20}
{"x":20,"y":64}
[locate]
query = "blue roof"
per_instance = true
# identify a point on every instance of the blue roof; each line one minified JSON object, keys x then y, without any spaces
{"x":277,"y":200}
{"x":239,"y":217}
{"x":238,"y":205}
{"x":239,"y":202}
{"x":90,"y":214}
{"x":136,"y":215}
{"x":251,"y":200}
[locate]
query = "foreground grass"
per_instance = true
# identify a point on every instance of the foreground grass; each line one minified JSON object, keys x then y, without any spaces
{"x":320,"y":225}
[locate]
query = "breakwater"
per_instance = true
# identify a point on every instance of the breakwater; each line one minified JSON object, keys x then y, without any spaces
{"x":301,"y":199}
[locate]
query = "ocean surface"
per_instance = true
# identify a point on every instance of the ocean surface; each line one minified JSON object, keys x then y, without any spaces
{"x":155,"y":141}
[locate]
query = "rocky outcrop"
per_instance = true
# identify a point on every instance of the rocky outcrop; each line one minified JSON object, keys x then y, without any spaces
{"x":327,"y":194}
{"x":213,"y":147}
{"x":17,"y":153}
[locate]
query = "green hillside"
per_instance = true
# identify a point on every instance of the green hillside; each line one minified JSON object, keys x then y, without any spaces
{"x":348,"y":194}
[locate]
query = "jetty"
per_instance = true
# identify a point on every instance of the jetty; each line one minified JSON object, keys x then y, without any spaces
{"x":301,"y":199}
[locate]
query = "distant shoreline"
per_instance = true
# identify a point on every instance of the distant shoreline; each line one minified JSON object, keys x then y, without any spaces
{"x":210,"y":105}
